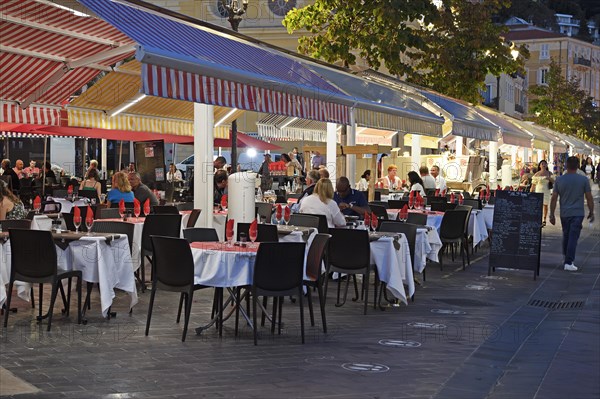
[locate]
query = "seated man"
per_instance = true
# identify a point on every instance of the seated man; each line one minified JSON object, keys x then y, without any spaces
{"x":32,"y":170}
{"x":8,"y":171}
{"x":220,"y":183}
{"x":140,"y":190}
{"x":351,"y":202}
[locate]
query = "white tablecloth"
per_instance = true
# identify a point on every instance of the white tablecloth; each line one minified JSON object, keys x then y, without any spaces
{"x":67,"y":205}
{"x":219,"y":220}
{"x":427,"y":246}
{"x":488,"y":214}
{"x":477,"y":226}
{"x":41,"y":222}
{"x":108,"y":265}
{"x":217,"y":268}
{"x":394,"y":266}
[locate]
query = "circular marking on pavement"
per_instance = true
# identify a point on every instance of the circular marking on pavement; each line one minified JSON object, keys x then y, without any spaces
{"x":494,"y":277}
{"x":448,"y":311}
{"x":433,"y":326}
{"x":479,"y":287}
{"x":396,"y":343}
{"x":366,"y":367}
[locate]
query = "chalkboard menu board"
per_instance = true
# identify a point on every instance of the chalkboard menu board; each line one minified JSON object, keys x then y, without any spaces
{"x":517,"y":231}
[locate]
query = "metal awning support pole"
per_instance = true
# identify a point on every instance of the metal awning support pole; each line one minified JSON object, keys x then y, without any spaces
{"x":118,"y":168}
{"x":44,"y":168}
{"x":204,"y":125}
{"x":331,"y":156}
{"x":103,"y":157}
{"x":351,"y":141}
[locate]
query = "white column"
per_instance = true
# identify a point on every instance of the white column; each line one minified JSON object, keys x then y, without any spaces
{"x":415,"y":153}
{"x":540,"y":155}
{"x":551,"y":157}
{"x":331,"y":151}
{"x":493,"y":158}
{"x":204,"y":124}
{"x":525,"y":154}
{"x":103,"y":158}
{"x":513,"y":157}
{"x":459,"y":143}
{"x":351,"y":141}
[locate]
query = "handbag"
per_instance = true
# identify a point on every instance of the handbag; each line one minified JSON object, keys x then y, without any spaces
{"x":550,"y":185}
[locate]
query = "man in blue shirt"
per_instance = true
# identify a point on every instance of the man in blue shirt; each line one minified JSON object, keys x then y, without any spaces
{"x":351,"y":202}
{"x":572,"y":188}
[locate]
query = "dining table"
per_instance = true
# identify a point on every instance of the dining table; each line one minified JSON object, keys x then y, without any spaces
{"x":103,"y":259}
{"x":67,"y":204}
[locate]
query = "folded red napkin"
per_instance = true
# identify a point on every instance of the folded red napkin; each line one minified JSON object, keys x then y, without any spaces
{"x":443,"y":194}
{"x":70,"y":190}
{"x":488,"y":195}
{"x":89,"y":216}
{"x":452,"y":198}
{"x":229,"y":228}
{"x":437,"y":192}
{"x":278,"y":211}
{"x":374,"y":221}
{"x":122,"y":206}
{"x":498,"y":187}
{"x":404,"y":212}
{"x":224,"y":201}
{"x":481,"y":194}
{"x":147,"y":207}
{"x":136,"y":207}
{"x":367,"y":219}
{"x":76,"y":213}
{"x":460,"y":199}
{"x":287,"y":212}
{"x":253,"y":230}
{"x":37,"y":202}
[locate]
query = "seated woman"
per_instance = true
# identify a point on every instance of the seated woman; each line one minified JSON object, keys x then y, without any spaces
{"x":363,"y":183}
{"x":92,"y":183}
{"x":416,"y":183}
{"x":391,"y":181}
{"x":10,"y":206}
{"x":321,"y":202}
{"x":121,"y":189}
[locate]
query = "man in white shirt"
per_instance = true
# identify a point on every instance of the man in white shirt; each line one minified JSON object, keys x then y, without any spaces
{"x":428,"y":181}
{"x":440,"y":182}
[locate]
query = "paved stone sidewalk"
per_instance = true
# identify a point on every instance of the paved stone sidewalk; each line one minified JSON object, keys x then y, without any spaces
{"x":466,"y":336}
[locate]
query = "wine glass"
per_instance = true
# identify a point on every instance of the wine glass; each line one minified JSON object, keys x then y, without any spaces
{"x":252,"y":234}
{"x":286,"y":217}
{"x":36,"y":207}
{"x":229,"y":236}
{"x":122,"y":212}
{"x":136,"y":211}
{"x":374,"y":223}
{"x":278,"y":217}
{"x":89,"y":222}
{"x":77,"y":223}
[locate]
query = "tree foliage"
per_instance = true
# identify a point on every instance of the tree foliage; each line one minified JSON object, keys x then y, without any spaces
{"x":561,"y":105}
{"x":450,"y":49}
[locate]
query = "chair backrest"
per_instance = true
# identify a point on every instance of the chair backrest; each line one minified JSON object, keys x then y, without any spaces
{"x":466,"y":195}
{"x":468,"y":209}
{"x":408,"y":229}
{"x":349,"y":249}
{"x":200,"y":234}
{"x":15,"y":224}
{"x":316,"y":254}
{"x":417,"y":218}
{"x":384,"y":204}
{"x":109,"y":226}
{"x":279,"y":266}
{"x":193,"y":218}
{"x":475,"y":203}
{"x":323,"y":226}
{"x":266,"y":232}
{"x":59,"y":193}
{"x":51,"y":207}
{"x":108,"y":213}
{"x":91,"y":194}
{"x":165,"y":210}
{"x":264,"y":211}
{"x":185,"y":206}
{"x":432,"y":199}
{"x":128,"y":205}
{"x":397,"y":204}
{"x":429,"y":192}
{"x":453,"y":224}
{"x":379,"y":211}
{"x":172,"y":261}
{"x":30,"y":215}
{"x":299,"y":219}
{"x":492,"y":200}
{"x":442,"y":206}
{"x":33,"y":253}
{"x":160,"y":225}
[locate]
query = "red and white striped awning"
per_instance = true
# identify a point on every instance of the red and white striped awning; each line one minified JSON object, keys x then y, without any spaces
{"x":172,"y":83}
{"x":48,"y":53}
{"x":34,"y":114}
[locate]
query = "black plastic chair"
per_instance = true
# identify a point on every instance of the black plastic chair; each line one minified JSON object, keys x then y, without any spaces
{"x":409,"y":230}
{"x":278,"y":280}
{"x":442,"y":206}
{"x":200,"y":234}
{"x":165,"y":210}
{"x":91,"y":194}
{"x":264,"y":211}
{"x":417,"y":218}
{"x":379,"y":211}
{"x":452,"y":232}
{"x":265,"y":233}
{"x":185,"y":206}
{"x":397,"y":204}
{"x":350,"y":252}
{"x":128,"y":205}
{"x":159,"y":225}
{"x":105,"y":226}
{"x":469,"y":210}
{"x":108,"y":213}
{"x":51,"y":207}
{"x":432,"y":199}
{"x":316,"y":256}
{"x":384,"y":204}
{"x":173,"y":270}
{"x":33,"y":260}
{"x":474,"y":203}
{"x":299,"y":219}
{"x":193,"y":218}
{"x":323,"y":226}
{"x":15,"y":224}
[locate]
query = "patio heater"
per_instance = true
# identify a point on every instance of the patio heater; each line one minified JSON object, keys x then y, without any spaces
{"x":235,"y":14}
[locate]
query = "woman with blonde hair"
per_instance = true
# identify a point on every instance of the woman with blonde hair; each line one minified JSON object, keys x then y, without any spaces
{"x":321,"y":202}
{"x":121,"y":189}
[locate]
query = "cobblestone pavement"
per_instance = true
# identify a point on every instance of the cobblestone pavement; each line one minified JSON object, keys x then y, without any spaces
{"x":466,"y":335}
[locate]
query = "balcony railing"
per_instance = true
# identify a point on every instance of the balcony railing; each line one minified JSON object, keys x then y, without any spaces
{"x":582,"y":61}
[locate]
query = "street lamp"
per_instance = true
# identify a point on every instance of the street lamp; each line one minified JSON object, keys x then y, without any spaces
{"x":235,"y":13}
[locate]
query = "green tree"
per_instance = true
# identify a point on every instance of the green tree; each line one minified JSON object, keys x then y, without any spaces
{"x":561,"y":105}
{"x":449,"y":49}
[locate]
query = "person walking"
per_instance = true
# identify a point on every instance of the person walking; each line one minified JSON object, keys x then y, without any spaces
{"x":542,"y":182}
{"x":571,"y":188}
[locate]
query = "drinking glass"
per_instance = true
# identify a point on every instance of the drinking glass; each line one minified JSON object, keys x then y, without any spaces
{"x":253,"y":235}
{"x":229,"y":237}
{"x":102,"y":198}
{"x":374,"y":223}
{"x":122,"y":213}
{"x":286,"y":217}
{"x":136,"y":212}
{"x":37,"y":207}
{"x":89,"y":223}
{"x":278,"y":217}
{"x":77,"y":223}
